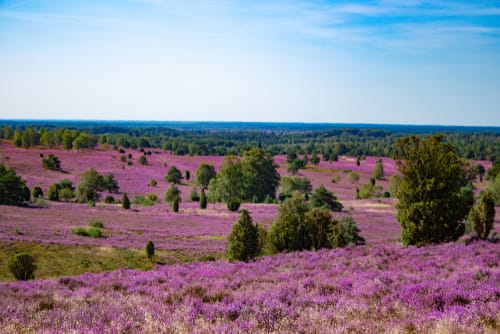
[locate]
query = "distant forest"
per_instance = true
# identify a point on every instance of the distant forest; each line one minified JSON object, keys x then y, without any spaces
{"x":225,"y":138}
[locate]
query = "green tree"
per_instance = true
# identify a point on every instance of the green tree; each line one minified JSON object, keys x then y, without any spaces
{"x":37,"y":192}
{"x":482,"y":215}
{"x":243,"y":241}
{"x":150,"y":250}
{"x":233,"y":204}
{"x":289,"y":185}
{"x":12,"y":187}
{"x":480,"y":171}
{"x":260,"y":175}
{"x":230,"y":181}
{"x":143,"y":160}
{"x":324,"y":198}
{"x":378,"y":170}
{"x":193,"y":195}
{"x":110,"y":183}
{"x":67,"y":140}
{"x":51,"y":162}
{"x":203,"y":199}
{"x":172,"y":193}
{"x":394,"y":182}
{"x":204,"y":173}
{"x":91,"y":183}
{"x":22,"y":266}
{"x":434,"y":196}
{"x":345,"y":232}
{"x":125,"y":201}
{"x":291,"y":231}
{"x":174,"y":175}
{"x":320,"y":223}
{"x":175,"y":203}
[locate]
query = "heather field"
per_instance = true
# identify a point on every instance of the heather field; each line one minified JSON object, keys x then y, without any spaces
{"x":450,"y":288}
{"x":83,"y":285}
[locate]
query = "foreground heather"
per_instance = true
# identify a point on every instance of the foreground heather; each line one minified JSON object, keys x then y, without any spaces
{"x":448,"y":288}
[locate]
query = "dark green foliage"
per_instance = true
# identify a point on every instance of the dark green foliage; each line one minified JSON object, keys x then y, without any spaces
{"x":482,"y":215}
{"x":187,"y":175}
{"x":92,"y":232}
{"x":315,"y":159}
{"x":51,"y":162}
{"x":233,"y":204}
{"x":203,"y":200}
{"x":110,"y":183}
{"x":53,"y":193}
{"x":26,"y":194}
{"x":494,"y":187}
{"x":480,"y":171}
{"x":65,"y":194}
{"x":289,"y":185}
{"x":150,"y":250}
{"x":394,"y":184}
{"x":125,"y":202}
{"x":143,"y":160}
{"x":434,"y":196}
{"x":172,"y":193}
{"x":294,"y":166}
{"x":96,"y":224}
{"x":12,"y":187}
{"x":148,"y":200}
{"x":320,"y":222}
{"x":204,"y":173}
{"x":174,"y":175}
{"x":85,"y":141}
{"x":344,"y":233}
{"x":492,"y":173}
{"x":109,"y":199}
{"x":91,"y":183}
{"x":243,"y":241}
{"x":153,"y":183}
{"x":291,"y":229}
{"x":324,"y":198}
{"x":378,"y":170}
{"x":37,"y":192}
{"x":175,"y":203}
{"x":193,"y":195}
{"x":22,"y":266}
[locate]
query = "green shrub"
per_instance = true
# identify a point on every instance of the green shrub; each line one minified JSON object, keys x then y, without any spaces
{"x":143,"y":160}
{"x":193,"y":195}
{"x":37,"y":192}
{"x":87,"y":232}
{"x":150,"y":250}
{"x":96,"y":224}
{"x":324,"y":198}
{"x":482,"y":215}
{"x":153,"y":183}
{"x":172,"y":193}
{"x":51,"y":162}
{"x":66,"y":194}
{"x":142,"y":200}
{"x":175,"y":204}
{"x":125,"y":202}
{"x":53,"y":193}
{"x":109,"y":199}
{"x":345,"y":232}
{"x":243,"y":240}
{"x":203,"y":200}
{"x":22,"y":266}
{"x":233,"y":204}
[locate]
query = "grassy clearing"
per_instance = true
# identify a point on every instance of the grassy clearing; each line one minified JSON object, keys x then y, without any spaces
{"x":55,"y":260}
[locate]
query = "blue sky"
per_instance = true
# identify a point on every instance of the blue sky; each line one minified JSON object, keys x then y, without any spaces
{"x":392,"y":61}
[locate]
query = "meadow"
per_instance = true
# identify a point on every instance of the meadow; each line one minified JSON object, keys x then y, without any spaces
{"x":107,"y":284}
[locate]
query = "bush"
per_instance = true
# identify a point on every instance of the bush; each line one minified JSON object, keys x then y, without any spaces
{"x":22,"y":266}
{"x":109,"y":199}
{"x":66,"y":194}
{"x":353,"y":177}
{"x":53,"y":193}
{"x":172,"y":193}
{"x":143,"y":160}
{"x":12,"y":187}
{"x":233,"y":204}
{"x":143,"y":200}
{"x":203,"y":200}
{"x":174,"y":175}
{"x":51,"y":162}
{"x":153,"y":183}
{"x":482,"y":215}
{"x":87,"y":232}
{"x":243,"y":240}
{"x":193,"y":195}
{"x":378,"y":171}
{"x":345,"y":232}
{"x":150,"y":250}
{"x":175,"y":204}
{"x":96,"y":224}
{"x":125,"y":202}
{"x":37,"y":192}
{"x":324,"y":198}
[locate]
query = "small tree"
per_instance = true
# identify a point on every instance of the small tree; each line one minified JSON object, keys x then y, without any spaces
{"x":480,"y":170}
{"x":174,"y":175}
{"x":187,"y":175}
{"x":143,"y":160}
{"x":91,"y":183}
{"x":51,"y":162}
{"x":193,"y":195}
{"x":53,"y":193}
{"x":320,"y":222}
{"x":482,"y":215}
{"x":324,"y":198}
{"x":203,"y":200}
{"x":150,"y":250}
{"x":110,"y":183}
{"x":22,"y":266}
{"x":172,"y":193}
{"x":233,"y":204}
{"x":175,"y":203}
{"x":12,"y":187}
{"x":344,"y":233}
{"x":204,"y":173}
{"x":378,"y":171}
{"x":37,"y":192}
{"x":243,"y":241}
{"x":125,"y":201}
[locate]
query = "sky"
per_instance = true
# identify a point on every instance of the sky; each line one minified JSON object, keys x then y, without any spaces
{"x":386,"y":61}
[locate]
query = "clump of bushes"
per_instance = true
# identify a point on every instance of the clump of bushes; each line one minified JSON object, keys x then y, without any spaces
{"x":109,"y":199}
{"x":150,"y":250}
{"x":93,"y":232}
{"x":62,"y":191}
{"x":22,"y":266}
{"x":148,"y":200}
{"x":233,"y":204}
{"x":51,"y":162}
{"x":143,"y":160}
{"x":243,"y":241}
{"x":193,"y":195}
{"x":37,"y":192}
{"x":96,"y":224}
{"x":125,"y":201}
{"x":482,"y":215}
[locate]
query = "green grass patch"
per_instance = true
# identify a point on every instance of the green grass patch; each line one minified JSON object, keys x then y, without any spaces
{"x":55,"y":260}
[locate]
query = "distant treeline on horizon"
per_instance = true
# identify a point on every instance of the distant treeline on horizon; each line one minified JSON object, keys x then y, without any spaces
{"x":226,"y":138}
